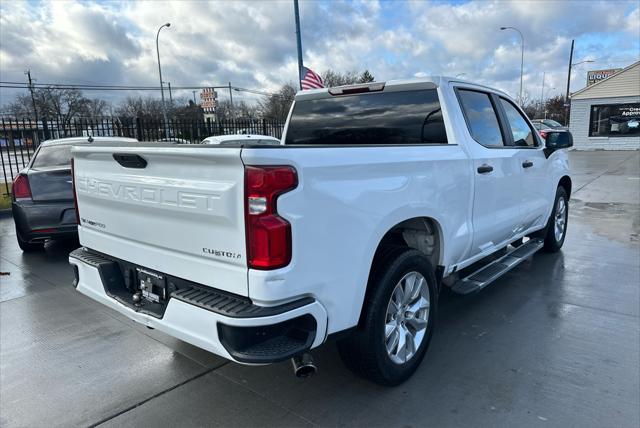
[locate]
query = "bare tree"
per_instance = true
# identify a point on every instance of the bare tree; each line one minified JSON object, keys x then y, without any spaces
{"x":555,"y":108}
{"x":333,"y":78}
{"x":184,"y":108}
{"x":142,"y":107}
{"x":61,"y":104}
{"x":21,"y":107}
{"x":277,"y":106}
{"x":96,"y":107}
{"x":224,"y":110}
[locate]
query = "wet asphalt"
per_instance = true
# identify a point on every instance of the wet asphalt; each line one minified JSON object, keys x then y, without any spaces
{"x":555,"y":342}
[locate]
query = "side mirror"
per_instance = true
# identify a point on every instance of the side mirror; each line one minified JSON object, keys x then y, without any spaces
{"x":558,"y":140}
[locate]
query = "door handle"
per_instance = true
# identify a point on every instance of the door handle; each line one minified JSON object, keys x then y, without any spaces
{"x":485,"y":169}
{"x":527,"y":164}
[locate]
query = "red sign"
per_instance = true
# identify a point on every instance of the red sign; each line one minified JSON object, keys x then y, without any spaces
{"x":208,"y":100}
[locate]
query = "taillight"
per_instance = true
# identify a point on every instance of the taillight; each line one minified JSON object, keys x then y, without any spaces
{"x":75,"y":196}
{"x":268,"y":234}
{"x":543,"y":134}
{"x":20,"y":187}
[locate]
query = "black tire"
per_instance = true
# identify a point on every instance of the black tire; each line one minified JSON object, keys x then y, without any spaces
{"x":28,"y":247}
{"x":364,"y":351}
{"x":552,"y":244}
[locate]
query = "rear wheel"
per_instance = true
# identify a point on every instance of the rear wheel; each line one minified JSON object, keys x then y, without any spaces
{"x":28,"y":247}
{"x":557,"y":225}
{"x":397,"y":320}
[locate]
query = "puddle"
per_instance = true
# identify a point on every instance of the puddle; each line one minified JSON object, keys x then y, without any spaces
{"x":613,"y":220}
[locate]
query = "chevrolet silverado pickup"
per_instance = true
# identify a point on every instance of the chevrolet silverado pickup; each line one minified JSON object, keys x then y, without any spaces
{"x":379,"y":195}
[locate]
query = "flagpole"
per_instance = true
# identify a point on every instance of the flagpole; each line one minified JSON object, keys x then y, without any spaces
{"x":298,"y":39}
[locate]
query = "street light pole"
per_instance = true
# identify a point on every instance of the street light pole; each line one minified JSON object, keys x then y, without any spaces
{"x":521,"y":57}
{"x":164,"y":108}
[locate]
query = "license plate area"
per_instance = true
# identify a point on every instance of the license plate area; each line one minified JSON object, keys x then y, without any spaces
{"x":152,"y":285}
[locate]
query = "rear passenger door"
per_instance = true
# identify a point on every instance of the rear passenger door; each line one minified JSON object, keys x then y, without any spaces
{"x":537,"y":188}
{"x":497,"y":172}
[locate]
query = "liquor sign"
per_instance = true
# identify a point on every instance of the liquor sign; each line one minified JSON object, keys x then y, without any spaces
{"x":594,"y":76}
{"x":208,"y":100}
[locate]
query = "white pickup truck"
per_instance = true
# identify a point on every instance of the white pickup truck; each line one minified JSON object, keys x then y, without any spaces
{"x":379,"y":195}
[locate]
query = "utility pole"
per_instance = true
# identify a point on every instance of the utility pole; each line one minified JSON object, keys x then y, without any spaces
{"x":33,"y":98}
{"x":566,"y":98}
{"x":194,"y":97}
{"x":33,"y":102}
{"x":170,"y":95}
{"x":299,"y":42}
{"x":542,"y":106}
{"x":231,"y":101}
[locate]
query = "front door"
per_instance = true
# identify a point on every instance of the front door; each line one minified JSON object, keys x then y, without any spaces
{"x":497,"y":172}
{"x":536,"y":180}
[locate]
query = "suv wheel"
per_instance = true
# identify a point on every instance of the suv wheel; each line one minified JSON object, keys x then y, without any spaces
{"x":397,"y":320}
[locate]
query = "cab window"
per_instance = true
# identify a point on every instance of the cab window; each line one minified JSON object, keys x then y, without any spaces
{"x":518,"y":126}
{"x":481,"y":117}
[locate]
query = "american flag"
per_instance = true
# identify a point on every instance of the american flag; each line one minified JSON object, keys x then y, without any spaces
{"x":310,"y":80}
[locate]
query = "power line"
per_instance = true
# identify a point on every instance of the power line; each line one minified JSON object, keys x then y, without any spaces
{"x":22,"y":85}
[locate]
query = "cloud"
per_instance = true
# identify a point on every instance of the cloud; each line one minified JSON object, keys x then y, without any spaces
{"x":252,"y":44}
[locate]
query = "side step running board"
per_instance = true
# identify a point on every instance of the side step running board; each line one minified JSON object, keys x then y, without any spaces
{"x":494,"y":270}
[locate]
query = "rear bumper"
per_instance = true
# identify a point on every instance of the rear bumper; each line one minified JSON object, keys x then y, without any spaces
{"x":40,"y":221}
{"x":234,"y":329}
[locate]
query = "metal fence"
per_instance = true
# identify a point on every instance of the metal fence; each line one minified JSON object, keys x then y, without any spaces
{"x":19,"y":138}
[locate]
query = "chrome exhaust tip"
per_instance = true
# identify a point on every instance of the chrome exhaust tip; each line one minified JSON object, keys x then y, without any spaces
{"x":303,"y":365}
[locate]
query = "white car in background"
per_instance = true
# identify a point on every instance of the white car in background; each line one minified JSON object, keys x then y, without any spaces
{"x":239,"y":139}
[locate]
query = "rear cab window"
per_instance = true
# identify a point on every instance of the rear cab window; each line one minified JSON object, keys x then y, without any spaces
{"x":380,"y":118}
{"x":53,"y":156}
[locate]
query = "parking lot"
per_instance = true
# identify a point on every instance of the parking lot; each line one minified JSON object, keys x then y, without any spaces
{"x":556,"y":342}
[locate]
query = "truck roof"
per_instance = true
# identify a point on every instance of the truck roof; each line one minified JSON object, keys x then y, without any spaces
{"x":419,"y":83}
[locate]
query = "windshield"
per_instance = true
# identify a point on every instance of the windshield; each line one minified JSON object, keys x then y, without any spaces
{"x":52,"y":156}
{"x":409,"y":117}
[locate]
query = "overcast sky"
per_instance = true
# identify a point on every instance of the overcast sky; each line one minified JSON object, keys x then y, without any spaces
{"x":252,"y":43}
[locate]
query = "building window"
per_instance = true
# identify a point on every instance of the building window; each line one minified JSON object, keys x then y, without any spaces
{"x":615,"y":120}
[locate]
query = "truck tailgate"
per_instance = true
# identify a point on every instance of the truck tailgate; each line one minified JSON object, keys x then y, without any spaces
{"x":174,"y":209}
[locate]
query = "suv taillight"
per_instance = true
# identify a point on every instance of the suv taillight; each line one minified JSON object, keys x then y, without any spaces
{"x":20,"y":188}
{"x":268,"y":234}
{"x":543,"y":134}
{"x":75,"y":196}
